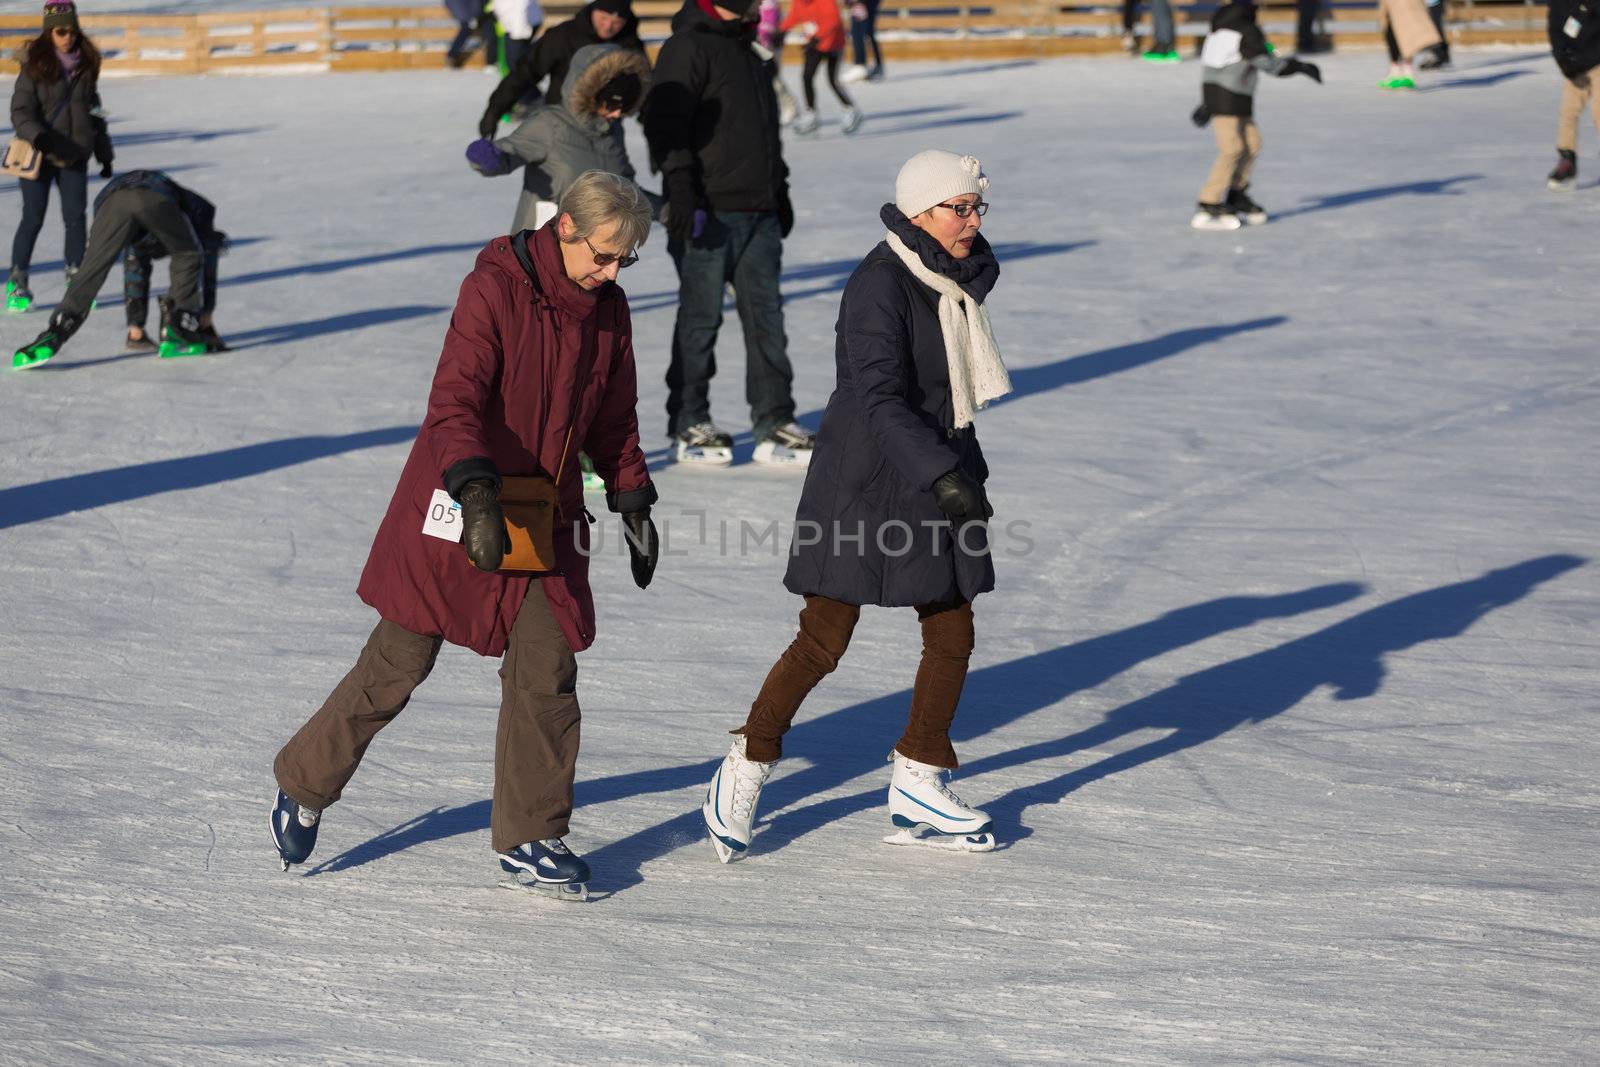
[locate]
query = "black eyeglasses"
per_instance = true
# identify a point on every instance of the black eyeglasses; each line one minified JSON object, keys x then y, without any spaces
{"x":965,"y":210}
{"x":605,"y":259}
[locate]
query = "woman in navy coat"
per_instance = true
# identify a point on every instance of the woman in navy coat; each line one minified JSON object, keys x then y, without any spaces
{"x":894,"y":511}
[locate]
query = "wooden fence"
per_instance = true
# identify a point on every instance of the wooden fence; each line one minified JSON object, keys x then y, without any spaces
{"x":387,"y":38}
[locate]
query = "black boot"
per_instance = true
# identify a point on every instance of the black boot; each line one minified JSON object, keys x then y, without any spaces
{"x":183,"y":335}
{"x":1248,"y":210}
{"x":1565,"y":176}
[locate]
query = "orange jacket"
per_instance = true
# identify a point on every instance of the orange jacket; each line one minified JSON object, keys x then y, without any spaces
{"x":825,"y":14}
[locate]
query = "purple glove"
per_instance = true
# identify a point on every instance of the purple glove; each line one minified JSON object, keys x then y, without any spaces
{"x":699,"y":223}
{"x":486,"y":159}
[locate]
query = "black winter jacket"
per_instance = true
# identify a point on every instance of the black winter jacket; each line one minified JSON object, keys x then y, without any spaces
{"x":886,"y":437}
{"x":77,"y":131}
{"x":1578,"y":53}
{"x":550,"y":57}
{"x":712,"y":111}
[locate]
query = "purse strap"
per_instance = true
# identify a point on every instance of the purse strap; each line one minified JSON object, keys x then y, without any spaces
{"x":66,"y":98}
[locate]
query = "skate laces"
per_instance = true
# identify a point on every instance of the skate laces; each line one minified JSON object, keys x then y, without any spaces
{"x":307,"y":817}
{"x":748,"y":778}
{"x":935,"y":777}
{"x":554,"y":844}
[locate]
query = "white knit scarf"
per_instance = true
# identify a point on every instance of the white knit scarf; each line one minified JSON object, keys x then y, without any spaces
{"x":977,"y":374}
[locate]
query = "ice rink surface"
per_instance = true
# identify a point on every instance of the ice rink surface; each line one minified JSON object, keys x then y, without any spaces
{"x":1284,"y":705}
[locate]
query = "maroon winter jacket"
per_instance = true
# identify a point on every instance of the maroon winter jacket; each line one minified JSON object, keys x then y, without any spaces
{"x":528,"y":354}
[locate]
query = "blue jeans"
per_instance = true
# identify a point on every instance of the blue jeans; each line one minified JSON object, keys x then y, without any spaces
{"x":864,"y":33}
{"x":746,"y":249}
{"x":73,"y":182}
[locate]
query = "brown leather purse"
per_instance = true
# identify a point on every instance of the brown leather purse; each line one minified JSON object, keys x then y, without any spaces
{"x":530,"y":504}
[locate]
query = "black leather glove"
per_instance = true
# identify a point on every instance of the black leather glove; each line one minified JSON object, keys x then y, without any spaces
{"x":105,"y":170}
{"x":644,"y":546}
{"x":785,"y":211}
{"x":960,"y":498}
{"x":1297,"y":66}
{"x":1200,"y":116}
{"x":682,"y":200}
{"x":484,"y":525}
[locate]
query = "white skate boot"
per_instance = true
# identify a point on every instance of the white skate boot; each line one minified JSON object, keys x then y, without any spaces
{"x":919,"y":800}
{"x":806,"y":124}
{"x":730,"y":807}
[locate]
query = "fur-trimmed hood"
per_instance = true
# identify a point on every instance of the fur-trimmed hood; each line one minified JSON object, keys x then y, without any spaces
{"x":592,"y":67}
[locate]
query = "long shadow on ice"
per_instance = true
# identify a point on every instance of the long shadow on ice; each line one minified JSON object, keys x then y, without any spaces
{"x":1441,"y":187}
{"x":148,"y":137}
{"x":352,"y":263}
{"x":298,"y":331}
{"x":1348,"y":657}
{"x":79,"y":492}
{"x":834,"y":745}
{"x":1480,"y":81}
{"x":1071,"y":370}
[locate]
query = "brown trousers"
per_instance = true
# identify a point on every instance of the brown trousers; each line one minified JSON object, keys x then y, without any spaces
{"x":1575,"y":94}
{"x":825,"y":629}
{"x":536,"y":745}
{"x":1238,"y":145}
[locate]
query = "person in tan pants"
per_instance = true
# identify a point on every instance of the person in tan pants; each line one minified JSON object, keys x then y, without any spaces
{"x":1574,"y":32}
{"x":1576,"y":94}
{"x":1238,"y":145}
{"x":1235,"y":52}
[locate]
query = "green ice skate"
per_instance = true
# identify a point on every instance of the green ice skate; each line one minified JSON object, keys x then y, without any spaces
{"x":18,"y":297}
{"x":183,"y":336}
{"x":63,"y":324}
{"x":31,"y":355}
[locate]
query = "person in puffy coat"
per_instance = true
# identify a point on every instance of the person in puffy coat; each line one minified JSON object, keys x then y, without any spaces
{"x":538,"y":363}
{"x":556,"y":144}
{"x":1575,"y":45}
{"x":55,"y":106}
{"x":894,"y":511}
{"x":551,"y":55}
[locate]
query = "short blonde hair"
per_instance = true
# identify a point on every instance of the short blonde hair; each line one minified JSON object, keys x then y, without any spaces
{"x":599,"y":198}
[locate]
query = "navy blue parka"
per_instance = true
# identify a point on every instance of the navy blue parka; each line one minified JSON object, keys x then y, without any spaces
{"x":867,"y":529}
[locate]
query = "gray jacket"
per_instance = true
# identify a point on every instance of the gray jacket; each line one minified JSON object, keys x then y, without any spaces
{"x":559,"y":143}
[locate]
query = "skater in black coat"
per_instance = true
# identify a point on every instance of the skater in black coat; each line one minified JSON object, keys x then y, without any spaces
{"x":145,"y":214}
{"x":894,"y":511}
{"x":600,"y":22}
{"x":1575,"y":44}
{"x":55,"y":106}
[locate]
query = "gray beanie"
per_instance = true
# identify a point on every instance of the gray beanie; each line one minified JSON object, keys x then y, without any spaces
{"x":932,"y":177}
{"x":62,"y":13}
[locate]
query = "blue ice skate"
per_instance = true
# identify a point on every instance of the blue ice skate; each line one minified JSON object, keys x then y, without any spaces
{"x":294,"y":829}
{"x":547,"y":867}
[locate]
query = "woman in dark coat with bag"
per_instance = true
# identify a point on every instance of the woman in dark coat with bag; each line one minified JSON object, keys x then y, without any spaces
{"x":55,"y":106}
{"x":894,"y":512}
{"x":538,"y":364}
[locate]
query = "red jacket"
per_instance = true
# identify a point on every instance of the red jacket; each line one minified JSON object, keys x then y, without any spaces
{"x":522,"y":347}
{"x":825,"y":13}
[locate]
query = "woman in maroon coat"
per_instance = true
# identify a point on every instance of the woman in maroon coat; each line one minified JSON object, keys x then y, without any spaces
{"x":537,"y":366}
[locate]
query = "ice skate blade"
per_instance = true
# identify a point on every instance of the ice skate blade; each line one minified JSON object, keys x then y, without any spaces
{"x":772,"y":454}
{"x":983,"y":842}
{"x":1253,"y":218}
{"x":1562,"y":186}
{"x":29,"y":358}
{"x":724,"y":853}
{"x":173,"y":350}
{"x":1204,"y":221}
{"x":569,"y":892}
{"x":705,"y":456}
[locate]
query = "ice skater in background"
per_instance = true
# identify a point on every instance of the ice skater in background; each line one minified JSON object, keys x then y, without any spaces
{"x":1408,"y":30}
{"x":894,"y":511}
{"x":554,"y":145}
{"x":769,"y":39}
{"x":819,"y":22}
{"x":55,"y":106}
{"x":1234,"y":53}
{"x":145,"y":214}
{"x":1575,"y":44}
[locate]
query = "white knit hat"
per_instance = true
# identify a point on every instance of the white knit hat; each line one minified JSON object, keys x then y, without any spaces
{"x":932,"y":177}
